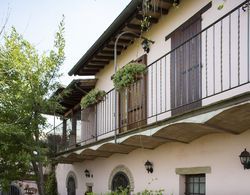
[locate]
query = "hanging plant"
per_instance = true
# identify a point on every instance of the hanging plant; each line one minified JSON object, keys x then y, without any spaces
{"x":128,"y":75}
{"x":146,"y":6}
{"x":92,"y":97}
{"x":221,"y":5}
{"x":176,"y":3}
{"x":145,"y":23}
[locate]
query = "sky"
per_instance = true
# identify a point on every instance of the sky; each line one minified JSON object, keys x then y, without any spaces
{"x":85,"y":21}
{"x":37,"y":21}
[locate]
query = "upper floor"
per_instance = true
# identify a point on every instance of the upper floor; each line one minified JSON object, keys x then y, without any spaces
{"x":199,"y":56}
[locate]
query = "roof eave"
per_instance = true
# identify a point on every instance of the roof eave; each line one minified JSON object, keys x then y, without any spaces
{"x":118,"y":22}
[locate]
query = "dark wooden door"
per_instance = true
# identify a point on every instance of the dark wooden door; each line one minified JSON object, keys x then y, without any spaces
{"x":133,"y":101}
{"x":186,"y":67}
{"x":14,"y":190}
{"x":71,"y":186}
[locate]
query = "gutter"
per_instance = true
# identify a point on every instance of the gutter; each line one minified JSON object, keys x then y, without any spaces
{"x":110,"y":31}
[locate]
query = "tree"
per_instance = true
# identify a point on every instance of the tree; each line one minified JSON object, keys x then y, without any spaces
{"x":26,"y":80}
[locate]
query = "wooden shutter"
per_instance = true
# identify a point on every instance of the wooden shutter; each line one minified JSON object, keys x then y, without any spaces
{"x":186,"y":67}
{"x":133,"y":103}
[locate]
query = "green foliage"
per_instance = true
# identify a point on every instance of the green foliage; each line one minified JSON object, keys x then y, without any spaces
{"x":51,"y":185}
{"x":125,"y":191}
{"x":221,"y":6}
{"x":128,"y":75}
{"x":27,"y":77}
{"x":176,"y":3}
{"x":151,"y":192}
{"x":93,"y":97}
{"x":145,"y":23}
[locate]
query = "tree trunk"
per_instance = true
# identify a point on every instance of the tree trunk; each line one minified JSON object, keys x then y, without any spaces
{"x":38,"y":169}
{"x":37,"y":164}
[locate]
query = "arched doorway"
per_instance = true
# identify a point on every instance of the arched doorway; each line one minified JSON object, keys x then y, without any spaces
{"x":14,"y":190}
{"x":71,"y":186}
{"x":120,"y":181}
{"x":121,"y":176}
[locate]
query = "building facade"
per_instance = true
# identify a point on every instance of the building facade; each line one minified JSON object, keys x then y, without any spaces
{"x":182,"y":126}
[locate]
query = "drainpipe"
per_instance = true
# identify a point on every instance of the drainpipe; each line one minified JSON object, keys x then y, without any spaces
{"x":115,"y":70}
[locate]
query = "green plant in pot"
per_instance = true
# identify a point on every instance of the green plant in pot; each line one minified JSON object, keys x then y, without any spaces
{"x":92,"y":97}
{"x":128,"y":75}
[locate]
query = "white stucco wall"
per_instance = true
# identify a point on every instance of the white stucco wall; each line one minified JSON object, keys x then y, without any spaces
{"x":167,"y":24}
{"x":219,"y":151}
{"x":158,"y":88}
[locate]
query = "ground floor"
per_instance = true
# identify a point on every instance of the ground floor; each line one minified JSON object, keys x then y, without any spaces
{"x":214,"y":157}
{"x":22,"y":187}
{"x":199,"y":163}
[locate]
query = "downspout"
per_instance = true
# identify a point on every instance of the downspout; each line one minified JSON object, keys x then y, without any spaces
{"x":115,"y":70}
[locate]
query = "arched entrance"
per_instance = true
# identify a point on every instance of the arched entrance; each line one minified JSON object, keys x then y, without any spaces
{"x":71,"y":186}
{"x":14,"y":190}
{"x":120,"y":181}
{"x":121,"y":176}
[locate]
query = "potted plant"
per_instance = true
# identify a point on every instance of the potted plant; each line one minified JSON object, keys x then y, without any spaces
{"x":92,"y":97}
{"x":127,"y":75}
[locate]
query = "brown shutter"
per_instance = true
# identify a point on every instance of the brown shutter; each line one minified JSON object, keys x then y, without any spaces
{"x":185,"y":67}
{"x":133,"y":103}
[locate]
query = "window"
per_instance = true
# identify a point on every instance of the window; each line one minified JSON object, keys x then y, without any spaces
{"x":89,"y":188}
{"x":121,"y":176}
{"x":120,"y":180}
{"x":195,"y":184}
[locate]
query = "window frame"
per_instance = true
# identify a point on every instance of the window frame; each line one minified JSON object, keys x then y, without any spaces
{"x":187,"y":182}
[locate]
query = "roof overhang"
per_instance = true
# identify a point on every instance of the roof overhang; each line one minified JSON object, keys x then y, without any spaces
{"x":102,"y":51}
{"x":73,"y":93}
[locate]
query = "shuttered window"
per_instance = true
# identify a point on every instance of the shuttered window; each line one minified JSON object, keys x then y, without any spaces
{"x":132,"y":103}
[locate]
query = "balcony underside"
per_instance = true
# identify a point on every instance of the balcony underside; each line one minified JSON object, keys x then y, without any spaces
{"x":233,"y":119}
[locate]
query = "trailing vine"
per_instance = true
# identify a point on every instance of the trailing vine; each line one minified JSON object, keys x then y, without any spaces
{"x":92,"y":97}
{"x":128,"y":75}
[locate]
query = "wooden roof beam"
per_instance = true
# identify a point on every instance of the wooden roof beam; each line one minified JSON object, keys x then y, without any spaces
{"x":103,"y":57}
{"x":91,"y":69}
{"x":122,"y":41}
{"x":85,"y":73}
{"x":109,"y":52}
{"x":99,"y":62}
{"x":134,"y":26}
{"x":93,"y":65}
{"x":111,"y":46}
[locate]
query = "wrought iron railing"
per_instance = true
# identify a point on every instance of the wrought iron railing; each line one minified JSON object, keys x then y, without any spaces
{"x":210,"y":66}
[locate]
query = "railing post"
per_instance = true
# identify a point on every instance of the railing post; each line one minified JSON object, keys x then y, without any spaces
{"x":74,"y":118}
{"x":96,"y":135}
{"x":64,"y":132}
{"x":115,"y":69}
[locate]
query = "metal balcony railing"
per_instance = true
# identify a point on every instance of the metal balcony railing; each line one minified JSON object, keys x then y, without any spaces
{"x":208,"y":67}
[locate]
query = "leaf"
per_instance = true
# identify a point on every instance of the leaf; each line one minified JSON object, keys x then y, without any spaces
{"x":27,"y":77}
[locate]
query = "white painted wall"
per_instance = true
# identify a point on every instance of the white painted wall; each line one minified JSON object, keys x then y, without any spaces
{"x":158,"y":96}
{"x":219,"y":151}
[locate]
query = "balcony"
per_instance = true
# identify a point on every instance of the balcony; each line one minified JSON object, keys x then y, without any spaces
{"x":210,"y":66}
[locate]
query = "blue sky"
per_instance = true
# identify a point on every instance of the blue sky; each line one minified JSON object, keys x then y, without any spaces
{"x":85,"y":21}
